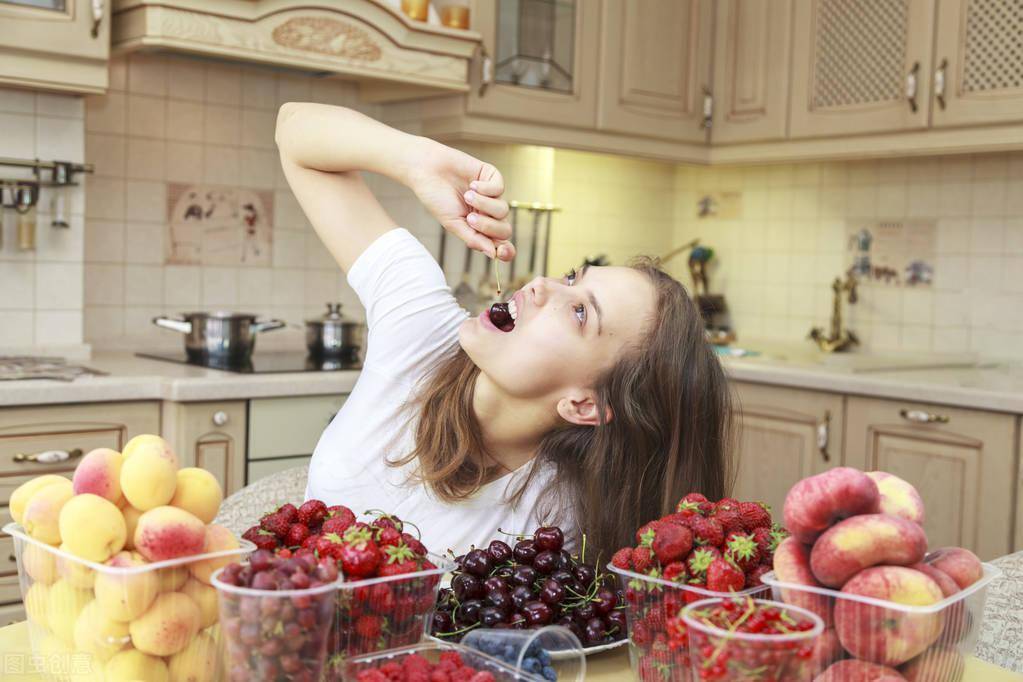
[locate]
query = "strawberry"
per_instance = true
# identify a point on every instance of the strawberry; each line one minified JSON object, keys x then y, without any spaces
{"x":707,"y":531}
{"x":669,"y":541}
{"x":730,"y":520}
{"x":288,"y":511}
{"x":336,"y":524}
{"x":381,"y":598}
{"x":724,"y":576}
{"x":296,"y":535}
{"x":265,"y":540}
{"x":388,"y":535}
{"x":706,"y":508}
{"x":643,"y":530}
{"x":276,"y":524}
{"x":414,"y":543}
{"x":284,"y":552}
{"x":359,"y":554}
{"x":622,"y":559}
{"x":693,"y":595}
{"x":753,"y":578}
{"x":310,"y":542}
{"x":726,"y":503}
{"x":369,"y":627}
{"x":398,"y":559}
{"x":691,"y":498}
{"x":676,"y":572}
{"x":312,"y":512}
{"x":342,"y":512}
{"x":642,"y":559}
{"x":640,"y":634}
{"x":741,"y":549}
{"x":754,"y":515}
{"x":329,"y":546}
{"x":700,"y":559}
{"x":251,"y":533}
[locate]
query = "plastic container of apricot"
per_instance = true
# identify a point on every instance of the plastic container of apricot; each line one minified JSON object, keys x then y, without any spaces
{"x":653,"y":607}
{"x":923,"y":642}
{"x":431,"y":651}
{"x":93,"y":621}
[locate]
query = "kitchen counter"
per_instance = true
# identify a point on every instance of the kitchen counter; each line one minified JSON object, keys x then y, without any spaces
{"x":133,"y":378}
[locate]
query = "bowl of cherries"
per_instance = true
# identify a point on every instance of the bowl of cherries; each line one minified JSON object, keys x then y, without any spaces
{"x":530,"y":584}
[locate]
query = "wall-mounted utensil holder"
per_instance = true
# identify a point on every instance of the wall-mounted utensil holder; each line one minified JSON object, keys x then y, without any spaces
{"x":22,"y":195}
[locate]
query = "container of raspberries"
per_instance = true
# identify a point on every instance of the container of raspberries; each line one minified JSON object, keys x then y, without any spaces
{"x":390,"y":581}
{"x":700,"y":551}
{"x":532,"y":584}
{"x":430,"y":661}
{"x":741,"y":639}
{"x":275,"y":615}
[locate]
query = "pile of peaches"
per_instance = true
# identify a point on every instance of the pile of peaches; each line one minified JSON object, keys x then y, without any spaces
{"x":125,"y":510}
{"x":862,"y":534}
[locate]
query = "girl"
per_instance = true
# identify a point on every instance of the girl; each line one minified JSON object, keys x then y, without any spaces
{"x":595,"y":409}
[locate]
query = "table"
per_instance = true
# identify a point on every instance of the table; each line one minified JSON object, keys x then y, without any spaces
{"x":612,"y":666}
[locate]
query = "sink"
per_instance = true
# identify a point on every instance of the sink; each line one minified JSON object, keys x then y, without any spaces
{"x":855,"y":362}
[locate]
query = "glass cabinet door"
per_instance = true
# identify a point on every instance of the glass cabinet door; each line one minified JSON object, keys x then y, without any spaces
{"x":55,"y":5}
{"x":535,"y":43}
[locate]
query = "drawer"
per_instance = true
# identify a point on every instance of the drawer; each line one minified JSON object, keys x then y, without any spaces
{"x":83,"y":427}
{"x":10,"y":591}
{"x":11,"y":614}
{"x":284,"y":427}
{"x":8,"y":564}
{"x":265,"y":467}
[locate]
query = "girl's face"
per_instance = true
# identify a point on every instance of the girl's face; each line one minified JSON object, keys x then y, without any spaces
{"x":567,"y":332}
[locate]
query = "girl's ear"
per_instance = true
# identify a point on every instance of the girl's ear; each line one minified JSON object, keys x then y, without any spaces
{"x":581,"y":410}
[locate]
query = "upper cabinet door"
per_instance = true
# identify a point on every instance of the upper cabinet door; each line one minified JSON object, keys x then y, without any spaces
{"x":978,"y":70}
{"x":655,"y":68}
{"x":861,"y":67}
{"x":55,"y":44}
{"x":752,"y":49}
{"x":539,"y":62}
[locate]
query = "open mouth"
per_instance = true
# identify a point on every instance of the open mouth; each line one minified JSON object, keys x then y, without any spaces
{"x":503,"y":315}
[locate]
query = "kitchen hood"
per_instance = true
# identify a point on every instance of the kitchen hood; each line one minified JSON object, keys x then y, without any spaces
{"x":369,"y":41}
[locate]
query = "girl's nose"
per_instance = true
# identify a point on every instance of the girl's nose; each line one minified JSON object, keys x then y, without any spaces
{"x":539,"y":290}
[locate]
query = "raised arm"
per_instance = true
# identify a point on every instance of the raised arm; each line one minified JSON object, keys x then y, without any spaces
{"x":322,"y":150}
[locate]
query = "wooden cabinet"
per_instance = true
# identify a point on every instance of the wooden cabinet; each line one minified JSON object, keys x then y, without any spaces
{"x":210,"y":435}
{"x":978,"y":70}
{"x":752,"y":52}
{"x":785,"y":434}
{"x":961,"y":461}
{"x":655,"y":68}
{"x":63,"y":47}
{"x":513,"y":28}
{"x":861,"y":67}
{"x":283,"y":432}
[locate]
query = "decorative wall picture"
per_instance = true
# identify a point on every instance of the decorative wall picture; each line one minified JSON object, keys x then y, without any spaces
{"x":892,"y":252}
{"x":214,"y":225}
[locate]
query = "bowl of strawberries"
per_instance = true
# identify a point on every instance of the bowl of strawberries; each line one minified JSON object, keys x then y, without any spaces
{"x":702,"y":550}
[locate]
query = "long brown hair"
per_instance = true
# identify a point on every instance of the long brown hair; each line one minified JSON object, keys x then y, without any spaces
{"x":670,"y":431}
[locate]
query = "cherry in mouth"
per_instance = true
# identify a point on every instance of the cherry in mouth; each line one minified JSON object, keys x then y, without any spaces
{"x":501,"y":317}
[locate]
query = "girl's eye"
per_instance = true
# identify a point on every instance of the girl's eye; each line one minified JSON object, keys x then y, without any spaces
{"x":570,"y":277}
{"x":580,"y":313}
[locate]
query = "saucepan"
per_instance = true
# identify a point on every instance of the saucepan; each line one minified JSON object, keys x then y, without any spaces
{"x":332,"y":336}
{"x":219,"y":336}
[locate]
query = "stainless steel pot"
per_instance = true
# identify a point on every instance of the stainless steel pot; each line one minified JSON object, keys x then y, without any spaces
{"x":331,"y":336}
{"x":218,"y":336}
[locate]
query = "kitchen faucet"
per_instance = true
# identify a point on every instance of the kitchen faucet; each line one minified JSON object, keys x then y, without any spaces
{"x":839,"y":339}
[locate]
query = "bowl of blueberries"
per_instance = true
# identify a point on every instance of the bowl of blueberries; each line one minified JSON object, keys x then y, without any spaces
{"x":550,"y":653}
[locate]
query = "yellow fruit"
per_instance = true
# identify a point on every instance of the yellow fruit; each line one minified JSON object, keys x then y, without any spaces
{"x":131,"y":665}
{"x":41,"y":518}
{"x":98,"y":635}
{"x":92,"y":527}
{"x":172,"y":578}
{"x":40,"y":564}
{"x":37,"y":604}
{"x":198,"y":492}
{"x":131,"y":520}
{"x":24,"y":492}
{"x":198,"y":662}
{"x":218,"y":538}
{"x":167,"y":627}
{"x":99,"y":473}
{"x":169,"y":533}
{"x":148,"y":480}
{"x":75,"y":572}
{"x":65,"y":605}
{"x":126,"y":596}
{"x":205,"y":598}
{"x":152,"y":444}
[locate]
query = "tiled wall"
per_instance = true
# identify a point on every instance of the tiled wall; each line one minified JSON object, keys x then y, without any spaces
{"x":41,"y":290}
{"x":777,"y":259}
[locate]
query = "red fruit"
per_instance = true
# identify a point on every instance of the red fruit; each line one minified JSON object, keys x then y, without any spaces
{"x":730,"y":520}
{"x":754,"y":515}
{"x":275,"y":523}
{"x":310,"y":542}
{"x":640,"y":634}
{"x":297,"y":534}
{"x":312,"y":512}
{"x":622,"y":559}
{"x":707,"y":531}
{"x":681,"y":518}
{"x":359,"y":554}
{"x":340,"y":511}
{"x":265,"y":540}
{"x":288,"y":511}
{"x":369,"y":627}
{"x":414,"y":543}
{"x":399,"y":559}
{"x":251,"y":533}
{"x":724,"y":576}
{"x":388,"y":535}
{"x":694,"y":498}
{"x":706,"y":508}
{"x":644,"y":530}
{"x":726,"y":503}
{"x":700,"y":559}
{"x":753,"y":578}
{"x":482,"y":676}
{"x":741,"y":549}
{"x":692,"y":595}
{"x":642,"y":559}
{"x":676,"y":572}
{"x":336,"y":524}
{"x":669,"y":541}
{"x":329,"y":546}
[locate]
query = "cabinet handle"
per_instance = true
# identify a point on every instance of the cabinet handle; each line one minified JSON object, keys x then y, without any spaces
{"x":220,"y":418}
{"x":97,"y":16}
{"x":939,"y":83}
{"x":486,"y":70}
{"x":708,"y":109}
{"x":911,"y":86}
{"x":824,"y":436}
{"x":12,"y":558}
{"x":48,"y":456}
{"x":922,"y":417}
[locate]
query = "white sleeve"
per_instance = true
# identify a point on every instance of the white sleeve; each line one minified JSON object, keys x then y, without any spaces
{"x":411,"y":315}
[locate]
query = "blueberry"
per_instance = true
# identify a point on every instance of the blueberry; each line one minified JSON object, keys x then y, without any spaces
{"x":509,"y":653}
{"x":544,"y":657}
{"x":548,"y":673}
{"x":531,"y":665}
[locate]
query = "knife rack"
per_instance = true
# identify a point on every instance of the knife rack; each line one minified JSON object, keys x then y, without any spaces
{"x":22,"y":194}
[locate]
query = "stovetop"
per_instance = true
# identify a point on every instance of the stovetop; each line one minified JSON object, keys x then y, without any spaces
{"x":265,"y":363}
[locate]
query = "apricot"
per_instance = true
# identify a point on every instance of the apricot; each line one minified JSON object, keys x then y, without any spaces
{"x":40,"y":564}
{"x":124,"y":596}
{"x":64,"y":605}
{"x":198,"y":491}
{"x":41,"y":518}
{"x":197,"y":662}
{"x":863,"y":541}
{"x":24,"y":492}
{"x":132,"y":665}
{"x":167,"y":627}
{"x":131,"y":520}
{"x":149,"y":443}
{"x":205,"y":597}
{"x":148,"y":480}
{"x":960,"y":564}
{"x":98,"y":635}
{"x":37,"y":604}
{"x":851,"y":670}
{"x":93,"y":527}
{"x":898,"y":497}
{"x":99,"y":473}
{"x":77,"y":574}
{"x":168,"y":533}
{"x":816,"y":502}
{"x":218,"y":538}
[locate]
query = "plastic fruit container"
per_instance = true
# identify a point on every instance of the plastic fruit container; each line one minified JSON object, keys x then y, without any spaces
{"x":658,"y":642}
{"x":92,"y":621}
{"x":431,"y":651}
{"x":274,"y":634}
{"x":717,"y":653}
{"x":929,"y":642}
{"x":550,"y":653}
{"x":384,"y":613}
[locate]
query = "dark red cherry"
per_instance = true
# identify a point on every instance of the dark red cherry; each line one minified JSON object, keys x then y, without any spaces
{"x":494,"y":584}
{"x":605,"y":602}
{"x":549,"y":538}
{"x":617,"y":626}
{"x":499,"y":552}
{"x":467,"y":586}
{"x":478,"y":563}
{"x":525,"y":551}
{"x":523,"y":575}
{"x":468,"y":612}
{"x":585,"y":574}
{"x":501,"y":317}
{"x":546,"y":562}
{"x":552,"y":593}
{"x":520,"y":595}
{"x":594,"y":631}
{"x":490,"y":616}
{"x":537,"y":613}
{"x":442,"y":622}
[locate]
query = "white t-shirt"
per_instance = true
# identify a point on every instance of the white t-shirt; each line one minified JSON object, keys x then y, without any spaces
{"x":412,"y":320}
